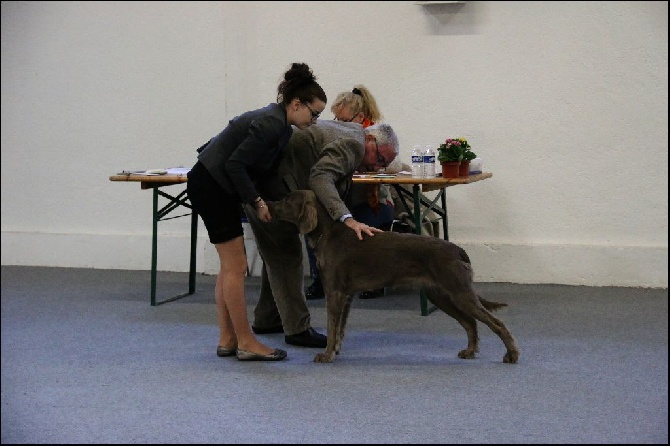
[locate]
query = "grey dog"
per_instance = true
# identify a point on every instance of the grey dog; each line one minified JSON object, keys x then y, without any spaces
{"x":441,"y":267}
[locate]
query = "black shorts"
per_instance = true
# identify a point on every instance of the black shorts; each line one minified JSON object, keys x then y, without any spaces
{"x":220,"y":211}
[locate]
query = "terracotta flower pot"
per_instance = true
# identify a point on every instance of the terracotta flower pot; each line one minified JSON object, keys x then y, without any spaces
{"x":464,"y":168}
{"x":450,"y":169}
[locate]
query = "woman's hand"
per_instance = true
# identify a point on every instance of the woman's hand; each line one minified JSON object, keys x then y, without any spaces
{"x":361,"y":228}
{"x":262,"y":211}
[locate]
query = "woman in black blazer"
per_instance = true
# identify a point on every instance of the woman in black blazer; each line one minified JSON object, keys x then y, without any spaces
{"x":223,"y":177}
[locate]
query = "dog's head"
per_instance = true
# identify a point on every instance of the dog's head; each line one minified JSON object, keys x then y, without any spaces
{"x":298,"y":207}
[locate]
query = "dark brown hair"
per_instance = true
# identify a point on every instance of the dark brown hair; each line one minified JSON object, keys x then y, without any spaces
{"x":299,"y":82}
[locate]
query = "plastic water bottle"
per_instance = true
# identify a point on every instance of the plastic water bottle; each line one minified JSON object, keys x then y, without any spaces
{"x":429,"y":162}
{"x":417,"y":162}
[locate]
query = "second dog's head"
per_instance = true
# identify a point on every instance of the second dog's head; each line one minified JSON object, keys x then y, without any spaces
{"x":298,"y":207}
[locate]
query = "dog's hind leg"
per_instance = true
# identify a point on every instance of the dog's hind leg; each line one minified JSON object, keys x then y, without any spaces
{"x":337,"y":308}
{"x":469,"y":302}
{"x":469,"y":323}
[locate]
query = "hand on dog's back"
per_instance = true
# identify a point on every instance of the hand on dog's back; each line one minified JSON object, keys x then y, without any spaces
{"x":390,"y":250}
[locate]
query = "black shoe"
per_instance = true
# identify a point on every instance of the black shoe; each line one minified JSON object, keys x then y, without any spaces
{"x":315,"y":290}
{"x":308,"y":338}
{"x":258,"y":330}
{"x":371,"y":294}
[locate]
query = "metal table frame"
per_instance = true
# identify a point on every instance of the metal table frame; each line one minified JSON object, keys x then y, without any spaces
{"x":175,"y":203}
{"x":418,"y":217}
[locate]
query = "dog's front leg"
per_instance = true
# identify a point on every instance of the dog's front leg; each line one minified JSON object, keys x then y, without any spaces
{"x":336,"y":309}
{"x":343,"y":322}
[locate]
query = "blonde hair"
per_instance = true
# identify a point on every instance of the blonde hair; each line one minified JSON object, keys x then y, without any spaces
{"x":358,"y":100}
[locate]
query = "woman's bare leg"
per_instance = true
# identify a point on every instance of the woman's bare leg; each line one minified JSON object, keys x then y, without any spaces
{"x":231,"y":304}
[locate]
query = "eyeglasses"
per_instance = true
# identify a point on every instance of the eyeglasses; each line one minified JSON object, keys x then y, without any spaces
{"x":347,"y":120}
{"x":381,"y":161}
{"x":315,"y":114}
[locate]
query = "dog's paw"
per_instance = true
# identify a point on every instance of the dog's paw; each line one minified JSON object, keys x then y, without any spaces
{"x":511,"y":357}
{"x":466,"y":354}
{"x":323,"y":357}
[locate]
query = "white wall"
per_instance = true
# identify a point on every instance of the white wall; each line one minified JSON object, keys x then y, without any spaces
{"x":566,"y":102}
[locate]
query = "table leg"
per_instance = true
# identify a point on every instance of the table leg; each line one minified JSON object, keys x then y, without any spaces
{"x":154,"y":246}
{"x":445,"y":221}
{"x":194,"y":245}
{"x":423,"y":300}
{"x":174,"y":202}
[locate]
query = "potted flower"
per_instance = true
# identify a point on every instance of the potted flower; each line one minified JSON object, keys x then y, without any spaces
{"x":468,"y":155}
{"x":455,"y":155}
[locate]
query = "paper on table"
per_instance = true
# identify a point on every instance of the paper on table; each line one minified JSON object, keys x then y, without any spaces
{"x":178,"y":170}
{"x":170,"y":171}
{"x":155,"y":172}
{"x":374,"y":175}
{"x":144,"y":172}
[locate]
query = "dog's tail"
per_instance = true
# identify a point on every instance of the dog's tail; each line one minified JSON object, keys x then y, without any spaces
{"x":490,"y":305}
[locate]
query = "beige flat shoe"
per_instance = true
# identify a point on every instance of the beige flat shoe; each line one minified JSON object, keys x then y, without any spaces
{"x":276,"y":355}
{"x":223,"y":351}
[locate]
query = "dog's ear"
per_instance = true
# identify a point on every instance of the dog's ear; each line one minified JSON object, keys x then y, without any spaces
{"x":307,"y":216}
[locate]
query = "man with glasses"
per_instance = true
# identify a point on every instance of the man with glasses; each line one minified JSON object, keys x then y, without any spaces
{"x":323,"y":158}
{"x":371,"y":204}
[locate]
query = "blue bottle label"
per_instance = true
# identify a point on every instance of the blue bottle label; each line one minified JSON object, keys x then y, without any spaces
{"x":429,"y":159}
{"x":417,"y":159}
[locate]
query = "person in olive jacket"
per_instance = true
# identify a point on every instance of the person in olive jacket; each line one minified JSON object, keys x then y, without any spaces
{"x":322,"y":158}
